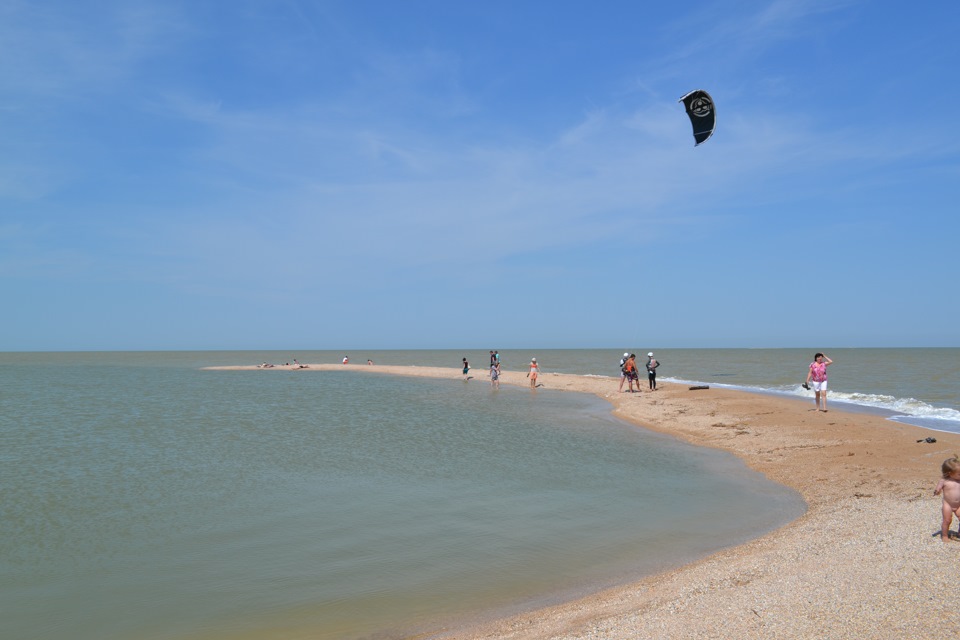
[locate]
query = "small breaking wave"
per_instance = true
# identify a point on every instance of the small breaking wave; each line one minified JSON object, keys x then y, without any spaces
{"x":907,"y":410}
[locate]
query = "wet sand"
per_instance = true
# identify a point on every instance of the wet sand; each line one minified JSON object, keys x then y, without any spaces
{"x":866,"y":561}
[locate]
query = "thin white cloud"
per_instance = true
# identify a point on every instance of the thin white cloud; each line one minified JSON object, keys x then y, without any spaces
{"x":65,"y":51}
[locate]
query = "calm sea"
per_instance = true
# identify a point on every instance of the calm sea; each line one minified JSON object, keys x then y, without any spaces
{"x":144,"y":497}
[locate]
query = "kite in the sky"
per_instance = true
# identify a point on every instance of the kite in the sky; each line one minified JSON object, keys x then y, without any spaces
{"x":702,"y":112}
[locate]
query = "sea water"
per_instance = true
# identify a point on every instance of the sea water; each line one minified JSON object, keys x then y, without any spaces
{"x":145,"y":497}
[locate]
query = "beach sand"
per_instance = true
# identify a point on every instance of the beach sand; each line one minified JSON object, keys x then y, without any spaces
{"x":865,"y":561}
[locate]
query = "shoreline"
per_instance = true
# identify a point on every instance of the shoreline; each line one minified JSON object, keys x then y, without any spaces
{"x":865,"y":560}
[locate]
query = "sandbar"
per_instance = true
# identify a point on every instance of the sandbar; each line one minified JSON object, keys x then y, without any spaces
{"x":865,"y":561}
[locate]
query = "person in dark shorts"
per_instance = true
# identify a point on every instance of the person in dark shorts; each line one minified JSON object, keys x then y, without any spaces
{"x":630,"y":366}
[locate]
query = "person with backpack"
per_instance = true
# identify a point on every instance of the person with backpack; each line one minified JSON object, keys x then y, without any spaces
{"x":623,"y":372}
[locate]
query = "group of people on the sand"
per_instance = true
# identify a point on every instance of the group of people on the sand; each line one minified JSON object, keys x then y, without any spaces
{"x":533,"y":374}
{"x":816,"y":375}
{"x":295,"y":365}
{"x":629,"y":372}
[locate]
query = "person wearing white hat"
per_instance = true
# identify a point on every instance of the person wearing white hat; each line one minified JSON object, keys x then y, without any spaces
{"x":533,"y":373}
{"x":652,"y":365}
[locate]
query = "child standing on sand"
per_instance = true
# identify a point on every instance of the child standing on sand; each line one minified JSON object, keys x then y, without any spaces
{"x":949,"y":485}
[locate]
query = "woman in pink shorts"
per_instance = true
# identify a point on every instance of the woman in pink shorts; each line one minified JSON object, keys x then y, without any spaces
{"x":818,"y":374}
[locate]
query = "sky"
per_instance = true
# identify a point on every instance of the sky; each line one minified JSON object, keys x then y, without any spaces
{"x":427,"y":174}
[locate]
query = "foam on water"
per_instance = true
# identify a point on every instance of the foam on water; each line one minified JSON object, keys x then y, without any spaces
{"x":905,"y":410}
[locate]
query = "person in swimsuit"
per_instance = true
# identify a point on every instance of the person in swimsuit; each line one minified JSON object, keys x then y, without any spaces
{"x":818,"y":374}
{"x":495,"y":375}
{"x":533,"y":373}
{"x":466,"y":370}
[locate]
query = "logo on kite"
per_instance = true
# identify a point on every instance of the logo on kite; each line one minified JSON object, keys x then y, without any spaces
{"x":701,"y":107}
{"x":702,"y":113}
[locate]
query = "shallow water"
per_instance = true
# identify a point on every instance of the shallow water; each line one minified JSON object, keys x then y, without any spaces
{"x":144,"y":497}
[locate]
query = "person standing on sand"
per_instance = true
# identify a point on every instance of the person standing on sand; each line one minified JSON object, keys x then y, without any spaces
{"x":652,"y":365}
{"x":466,"y":370}
{"x":626,"y":374}
{"x":495,"y":375}
{"x":623,"y":372}
{"x":949,"y":486}
{"x":818,"y":373}
{"x":635,"y":368}
{"x":533,"y":373}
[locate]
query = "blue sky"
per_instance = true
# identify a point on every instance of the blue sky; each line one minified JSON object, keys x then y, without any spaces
{"x":435,"y":174}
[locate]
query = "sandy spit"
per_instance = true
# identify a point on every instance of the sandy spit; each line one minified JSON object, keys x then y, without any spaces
{"x":866,"y":561}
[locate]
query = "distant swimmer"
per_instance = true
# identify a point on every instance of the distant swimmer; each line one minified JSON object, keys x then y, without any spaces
{"x":533,"y":373}
{"x":818,"y":374}
{"x":369,"y":361}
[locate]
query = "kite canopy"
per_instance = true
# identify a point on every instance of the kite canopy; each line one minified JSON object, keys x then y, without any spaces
{"x":702,"y":112}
